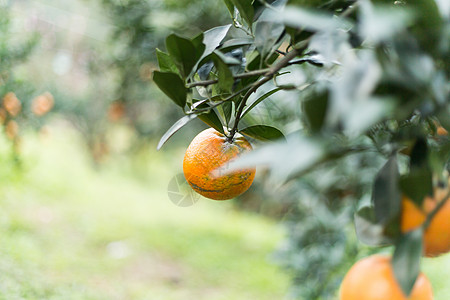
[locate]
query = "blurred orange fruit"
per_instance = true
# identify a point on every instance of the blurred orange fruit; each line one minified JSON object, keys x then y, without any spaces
{"x":205,"y":165}
{"x":12,"y":129}
{"x":437,"y":235}
{"x":42,"y":104}
{"x":3,"y":115}
{"x":116,"y":111}
{"x":12,"y":104}
{"x":372,"y":278}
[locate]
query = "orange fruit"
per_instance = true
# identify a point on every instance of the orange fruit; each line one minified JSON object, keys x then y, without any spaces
{"x":42,"y":104}
{"x":12,"y":104}
{"x":12,"y":129}
{"x":206,"y":161}
{"x":116,"y":111}
{"x":372,"y":278}
{"x":437,"y":236}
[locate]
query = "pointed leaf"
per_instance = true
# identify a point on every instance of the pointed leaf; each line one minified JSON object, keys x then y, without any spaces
{"x":175,"y":127}
{"x":259,"y":100}
{"x":210,"y":118}
{"x":406,"y":259}
{"x":171,"y":85}
{"x":419,"y":182}
{"x":225,"y":77}
{"x":184,"y":52}
{"x":263,"y":132}
{"x":213,"y":37}
{"x":165,"y":62}
{"x":386,"y":194}
{"x":315,"y":111}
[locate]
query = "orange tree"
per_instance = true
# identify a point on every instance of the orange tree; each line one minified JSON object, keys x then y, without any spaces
{"x":364,"y":97}
{"x":20,"y":105}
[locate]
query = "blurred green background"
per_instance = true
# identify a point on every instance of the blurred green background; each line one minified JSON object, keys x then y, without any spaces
{"x":84,"y":207}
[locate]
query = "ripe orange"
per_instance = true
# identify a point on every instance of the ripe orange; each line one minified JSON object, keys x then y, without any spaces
{"x":206,"y":161}
{"x":372,"y":278}
{"x":42,"y":104}
{"x":437,"y":235}
{"x":12,"y":104}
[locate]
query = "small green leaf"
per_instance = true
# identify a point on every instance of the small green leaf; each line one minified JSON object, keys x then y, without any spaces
{"x":406,"y":259}
{"x":259,"y":100}
{"x":225,"y":77}
{"x":315,"y":111}
{"x":172,"y":85}
{"x":386,"y":194}
{"x":246,"y":10}
{"x":210,"y":118}
{"x":419,"y":182}
{"x":165,"y":62}
{"x":175,"y":127}
{"x":184,"y":52}
{"x":263,"y":132}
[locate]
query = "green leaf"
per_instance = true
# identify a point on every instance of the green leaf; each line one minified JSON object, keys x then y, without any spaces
{"x":246,"y":10}
{"x":367,"y":229}
{"x":225,"y":77}
{"x":165,"y":62}
{"x":210,"y":118}
{"x":259,"y":100}
{"x":263,"y":132}
{"x":172,"y":85}
{"x":406,"y":259}
{"x":266,"y":35}
{"x":213,"y":37}
{"x":386,"y":196}
{"x":235,"y":43}
{"x":315,"y":111}
{"x":175,"y":127}
{"x":184,"y":52}
{"x":419,"y":182}
{"x":230,"y":6}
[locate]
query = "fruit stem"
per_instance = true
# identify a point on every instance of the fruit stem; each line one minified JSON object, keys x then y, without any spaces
{"x":435,"y":211}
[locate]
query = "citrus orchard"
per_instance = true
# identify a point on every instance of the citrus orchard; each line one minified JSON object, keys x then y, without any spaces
{"x":437,"y":235}
{"x":206,"y":161}
{"x":372,"y":278}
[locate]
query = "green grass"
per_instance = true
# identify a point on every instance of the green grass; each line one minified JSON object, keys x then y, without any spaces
{"x":69,"y":232}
